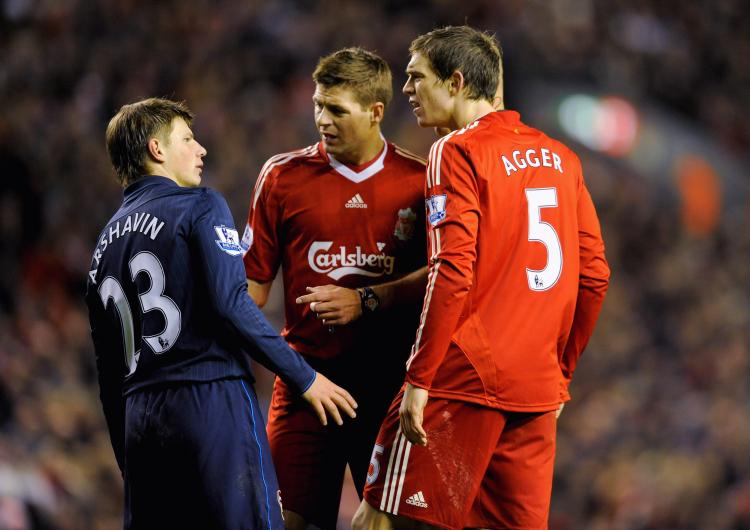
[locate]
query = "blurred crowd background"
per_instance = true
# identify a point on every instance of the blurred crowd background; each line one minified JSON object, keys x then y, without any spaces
{"x":652,"y":94}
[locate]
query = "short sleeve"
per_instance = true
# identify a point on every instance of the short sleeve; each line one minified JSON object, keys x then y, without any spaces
{"x":261,"y":238}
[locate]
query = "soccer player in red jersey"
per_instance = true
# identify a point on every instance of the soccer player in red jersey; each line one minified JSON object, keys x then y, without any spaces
{"x":517,"y":276}
{"x":343,"y":217}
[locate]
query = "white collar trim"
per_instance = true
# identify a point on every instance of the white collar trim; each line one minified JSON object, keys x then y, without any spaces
{"x":363,"y":175}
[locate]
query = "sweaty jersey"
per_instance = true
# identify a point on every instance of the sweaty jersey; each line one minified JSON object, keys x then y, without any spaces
{"x":168,"y":300}
{"x":517,"y":268}
{"x":326,"y":223}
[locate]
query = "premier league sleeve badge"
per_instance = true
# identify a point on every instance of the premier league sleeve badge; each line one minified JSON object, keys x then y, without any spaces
{"x":436,"y":208}
{"x":229,"y":240}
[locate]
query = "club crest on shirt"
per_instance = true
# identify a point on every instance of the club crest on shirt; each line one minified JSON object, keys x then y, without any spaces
{"x":405,"y":224}
{"x":247,"y":238}
{"x":436,"y":208}
{"x":229,"y":240}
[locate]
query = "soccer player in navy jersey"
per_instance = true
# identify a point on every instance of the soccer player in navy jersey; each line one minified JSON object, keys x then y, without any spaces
{"x":174,"y":329}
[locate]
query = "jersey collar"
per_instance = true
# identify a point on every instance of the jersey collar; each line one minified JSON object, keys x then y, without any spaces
{"x":510,"y":118}
{"x":148,"y":180}
{"x":359,"y":176}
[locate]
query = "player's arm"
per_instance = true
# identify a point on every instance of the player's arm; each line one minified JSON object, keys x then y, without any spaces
{"x":225,"y":279}
{"x":453,"y":232}
{"x":110,"y":367}
{"x":261,"y":238}
{"x":592,"y":285}
{"x":337,"y":306}
{"x":258,"y":291}
{"x":454,"y":221}
{"x":409,"y":288}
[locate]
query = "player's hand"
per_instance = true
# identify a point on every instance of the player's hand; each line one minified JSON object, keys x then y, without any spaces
{"x":334,"y":305}
{"x":327,"y":398}
{"x":412,"y":414}
{"x":559,"y":410}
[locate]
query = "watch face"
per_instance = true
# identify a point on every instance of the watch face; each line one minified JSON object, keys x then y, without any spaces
{"x":372,"y":304}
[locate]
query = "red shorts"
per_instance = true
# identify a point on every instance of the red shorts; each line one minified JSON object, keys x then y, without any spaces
{"x":481,"y":468}
{"x":311,"y":460}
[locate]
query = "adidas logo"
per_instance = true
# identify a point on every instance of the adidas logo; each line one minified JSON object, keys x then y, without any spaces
{"x":417,"y":500}
{"x":356,"y":202}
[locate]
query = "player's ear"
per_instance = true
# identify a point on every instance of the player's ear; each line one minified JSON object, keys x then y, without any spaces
{"x":155,"y":150}
{"x":456,"y":82}
{"x":498,"y":103}
{"x":377,"y":110}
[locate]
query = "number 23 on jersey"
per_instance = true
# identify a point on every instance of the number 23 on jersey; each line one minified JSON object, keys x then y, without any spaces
{"x":151,"y":300}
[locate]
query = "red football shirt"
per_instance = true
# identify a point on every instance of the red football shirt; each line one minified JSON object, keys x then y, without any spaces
{"x":327,"y":223}
{"x":517,"y":268}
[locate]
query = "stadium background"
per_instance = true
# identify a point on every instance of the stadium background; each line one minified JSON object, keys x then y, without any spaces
{"x":653,"y":95}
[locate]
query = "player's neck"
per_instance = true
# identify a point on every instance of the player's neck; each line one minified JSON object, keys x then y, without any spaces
{"x":156,"y":170}
{"x":470,"y":110}
{"x":161,"y":170}
{"x":364,"y":153}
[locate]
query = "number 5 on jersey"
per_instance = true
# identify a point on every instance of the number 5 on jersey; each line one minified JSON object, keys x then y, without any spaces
{"x":152,"y":300}
{"x":374,"y":470}
{"x":543,"y":279}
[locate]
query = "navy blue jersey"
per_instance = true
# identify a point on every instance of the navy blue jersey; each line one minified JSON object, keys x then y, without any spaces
{"x":168,"y":300}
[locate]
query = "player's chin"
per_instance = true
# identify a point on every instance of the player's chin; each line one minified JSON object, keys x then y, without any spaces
{"x":424,"y":121}
{"x":332,"y":148}
{"x":196,"y":180}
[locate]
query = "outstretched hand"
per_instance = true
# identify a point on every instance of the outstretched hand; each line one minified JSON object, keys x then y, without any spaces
{"x":411,"y":414}
{"x":327,"y":398}
{"x":334,"y":305}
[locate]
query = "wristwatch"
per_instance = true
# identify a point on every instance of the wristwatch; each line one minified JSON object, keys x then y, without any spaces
{"x":368,"y":299}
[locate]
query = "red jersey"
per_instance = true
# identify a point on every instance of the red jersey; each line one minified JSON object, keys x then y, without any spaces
{"x":326,"y":223}
{"x":517,"y":268}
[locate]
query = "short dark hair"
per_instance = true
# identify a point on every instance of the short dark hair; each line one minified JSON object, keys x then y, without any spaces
{"x":477,"y":55}
{"x":365,"y":73}
{"x":130,"y":130}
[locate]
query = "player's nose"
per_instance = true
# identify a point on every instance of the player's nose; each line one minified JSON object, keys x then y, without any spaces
{"x":322,"y":119}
